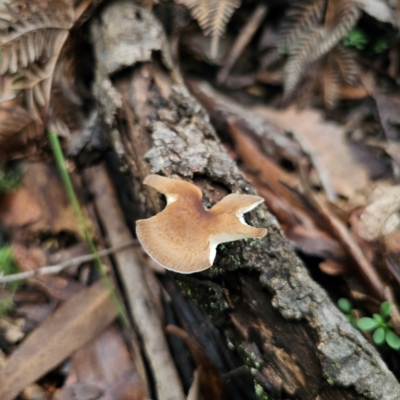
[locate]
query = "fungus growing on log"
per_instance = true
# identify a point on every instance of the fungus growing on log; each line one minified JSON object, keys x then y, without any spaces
{"x":184,"y":236}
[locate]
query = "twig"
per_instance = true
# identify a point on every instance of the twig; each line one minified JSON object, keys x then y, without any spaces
{"x":242,"y":41}
{"x":55,"y":269}
{"x":142,"y":304}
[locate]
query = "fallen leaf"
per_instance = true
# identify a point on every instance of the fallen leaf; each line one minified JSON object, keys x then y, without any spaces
{"x":19,"y":208}
{"x":28,"y":258}
{"x":73,"y":324}
{"x":294,"y":218}
{"x":105,"y":361}
{"x":327,"y":141}
{"x":382,"y":215}
{"x":60,"y":287}
{"x":45,"y":186}
{"x":332,"y":267}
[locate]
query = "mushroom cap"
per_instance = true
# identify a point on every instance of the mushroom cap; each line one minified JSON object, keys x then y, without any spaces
{"x":184,"y":236}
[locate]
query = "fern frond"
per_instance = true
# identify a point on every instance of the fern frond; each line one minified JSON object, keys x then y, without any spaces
{"x":330,"y":83}
{"x":28,"y":40}
{"x":309,"y":44}
{"x":344,"y":20}
{"x":300,"y":17}
{"x":296,"y":64}
{"x":212,"y":16}
{"x":30,"y":46}
{"x":346,"y":64}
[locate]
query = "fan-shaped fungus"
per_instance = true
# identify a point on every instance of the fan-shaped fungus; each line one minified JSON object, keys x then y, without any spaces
{"x":184,"y":236}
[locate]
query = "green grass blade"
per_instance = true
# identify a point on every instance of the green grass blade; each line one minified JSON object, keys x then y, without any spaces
{"x":60,"y":162}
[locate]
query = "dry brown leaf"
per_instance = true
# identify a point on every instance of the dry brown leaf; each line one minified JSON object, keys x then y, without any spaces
{"x":43,"y":183}
{"x":29,"y":259}
{"x":382,"y":215}
{"x":60,"y":287}
{"x":297,"y":222}
{"x":332,"y":267}
{"x":19,"y":208}
{"x":105,"y":361}
{"x":73,"y":324}
{"x":327,"y":141}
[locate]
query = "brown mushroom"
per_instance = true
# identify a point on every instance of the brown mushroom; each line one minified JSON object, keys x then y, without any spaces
{"x":184,"y":236}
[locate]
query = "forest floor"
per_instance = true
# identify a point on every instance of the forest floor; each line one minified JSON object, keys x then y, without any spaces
{"x":296,"y":101}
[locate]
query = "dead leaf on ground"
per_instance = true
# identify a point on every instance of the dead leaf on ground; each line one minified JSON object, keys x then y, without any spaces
{"x":326,"y":140}
{"x":105,"y":362}
{"x":60,"y":287}
{"x":333,"y":268}
{"x":44,"y":184}
{"x":75,"y":323}
{"x":382,"y":215}
{"x":267,"y":178}
{"x":19,"y":208}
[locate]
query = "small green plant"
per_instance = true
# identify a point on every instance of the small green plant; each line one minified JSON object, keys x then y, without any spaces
{"x":380,"y":46}
{"x":356,"y":38}
{"x":379,"y":324}
{"x":381,"y":327}
{"x":8,"y":181}
{"x":8,"y":265}
{"x":346,"y":306}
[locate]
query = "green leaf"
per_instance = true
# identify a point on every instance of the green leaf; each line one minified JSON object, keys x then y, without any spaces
{"x":352,"y":320}
{"x":386,"y":308}
{"x":345,"y":305}
{"x":367,"y":324}
{"x":378,"y":318}
{"x":392,"y":340}
{"x":379,"y":336}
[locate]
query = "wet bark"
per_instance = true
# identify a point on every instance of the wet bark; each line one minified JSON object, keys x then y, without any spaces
{"x":295,"y":341}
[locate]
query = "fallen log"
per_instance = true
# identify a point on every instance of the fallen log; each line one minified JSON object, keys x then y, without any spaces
{"x":294,"y":340}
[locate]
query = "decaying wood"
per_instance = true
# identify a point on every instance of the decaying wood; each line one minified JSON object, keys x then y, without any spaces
{"x":290,"y":334}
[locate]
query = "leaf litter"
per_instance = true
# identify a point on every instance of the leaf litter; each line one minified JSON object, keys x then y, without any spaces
{"x":288,"y":80}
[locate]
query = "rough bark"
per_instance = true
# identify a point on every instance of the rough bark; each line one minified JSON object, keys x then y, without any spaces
{"x":294,"y":339}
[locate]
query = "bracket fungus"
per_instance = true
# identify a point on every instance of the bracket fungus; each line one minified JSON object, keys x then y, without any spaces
{"x":184,"y":236}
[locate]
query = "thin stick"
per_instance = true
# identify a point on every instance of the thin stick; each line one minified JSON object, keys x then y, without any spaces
{"x":55,"y":269}
{"x":242,"y":41}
